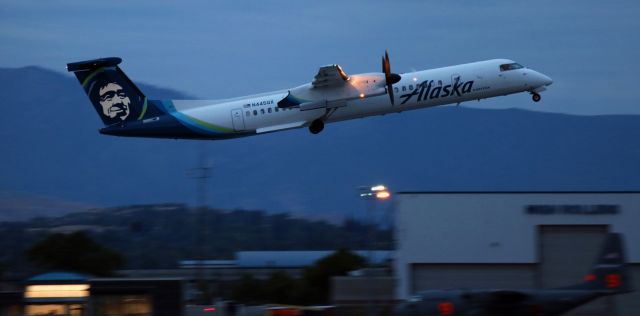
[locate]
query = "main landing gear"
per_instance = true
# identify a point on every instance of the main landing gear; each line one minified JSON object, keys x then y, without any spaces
{"x":535,"y":97}
{"x":316,"y":126}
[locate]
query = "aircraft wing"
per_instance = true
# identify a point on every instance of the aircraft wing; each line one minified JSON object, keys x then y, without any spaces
{"x":280,"y":127}
{"x":332,"y":88}
{"x":328,"y":76}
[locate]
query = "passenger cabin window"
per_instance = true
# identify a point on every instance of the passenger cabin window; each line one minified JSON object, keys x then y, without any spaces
{"x":507,"y":67}
{"x":269,"y":110}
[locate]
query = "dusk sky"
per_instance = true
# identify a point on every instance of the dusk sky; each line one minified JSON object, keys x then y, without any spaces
{"x":220,"y":49}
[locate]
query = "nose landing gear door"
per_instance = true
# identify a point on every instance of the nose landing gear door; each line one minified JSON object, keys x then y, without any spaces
{"x":237,"y":119}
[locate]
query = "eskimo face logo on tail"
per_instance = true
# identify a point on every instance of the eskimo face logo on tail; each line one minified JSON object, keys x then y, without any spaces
{"x":114,"y":101}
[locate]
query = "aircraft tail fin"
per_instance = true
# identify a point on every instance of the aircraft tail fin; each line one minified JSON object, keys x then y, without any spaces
{"x":609,"y":273}
{"x":115,"y":97}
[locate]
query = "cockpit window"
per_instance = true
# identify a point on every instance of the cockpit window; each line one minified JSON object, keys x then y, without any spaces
{"x":507,"y":67}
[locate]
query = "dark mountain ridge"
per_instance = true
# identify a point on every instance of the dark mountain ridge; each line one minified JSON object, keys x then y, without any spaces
{"x":52,"y":149}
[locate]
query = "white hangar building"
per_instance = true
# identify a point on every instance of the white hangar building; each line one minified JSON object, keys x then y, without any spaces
{"x":512,"y":240}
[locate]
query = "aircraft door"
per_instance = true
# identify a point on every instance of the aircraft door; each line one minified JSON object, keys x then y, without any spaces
{"x":237,"y":119}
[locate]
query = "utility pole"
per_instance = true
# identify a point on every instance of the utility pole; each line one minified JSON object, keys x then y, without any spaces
{"x":201,"y":173}
{"x":371,"y":194}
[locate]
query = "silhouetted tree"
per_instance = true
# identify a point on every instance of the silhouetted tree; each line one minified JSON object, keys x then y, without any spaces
{"x":313,"y":288}
{"x":74,"y":252}
{"x":318,"y":277}
{"x":159,"y":236}
{"x":281,"y":288}
{"x":249,"y":290}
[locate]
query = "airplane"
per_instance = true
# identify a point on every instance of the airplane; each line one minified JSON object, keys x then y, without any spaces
{"x":607,"y":277}
{"x":332,"y":96}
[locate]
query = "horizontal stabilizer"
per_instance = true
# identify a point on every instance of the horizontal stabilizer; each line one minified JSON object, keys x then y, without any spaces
{"x":94,"y":63}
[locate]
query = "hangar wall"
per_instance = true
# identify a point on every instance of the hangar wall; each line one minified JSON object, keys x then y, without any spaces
{"x":512,"y":240}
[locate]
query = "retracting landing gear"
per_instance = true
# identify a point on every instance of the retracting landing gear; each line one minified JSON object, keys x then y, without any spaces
{"x":536,"y":97}
{"x":316,"y":126}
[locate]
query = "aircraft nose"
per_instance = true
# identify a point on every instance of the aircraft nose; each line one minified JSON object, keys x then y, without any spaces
{"x":540,"y":80}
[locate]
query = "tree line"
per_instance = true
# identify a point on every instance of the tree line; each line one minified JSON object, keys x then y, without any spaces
{"x":159,"y":236}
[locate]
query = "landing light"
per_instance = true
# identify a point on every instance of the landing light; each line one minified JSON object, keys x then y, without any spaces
{"x":383,"y":195}
{"x":361,"y":95}
{"x":378,"y":192}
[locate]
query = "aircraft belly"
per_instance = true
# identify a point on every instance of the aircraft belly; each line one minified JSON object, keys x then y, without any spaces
{"x":281,"y":118}
{"x":362,"y":108}
{"x":216,"y":117}
{"x":214,"y":121}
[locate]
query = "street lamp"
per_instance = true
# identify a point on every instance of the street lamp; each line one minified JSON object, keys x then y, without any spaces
{"x":378,"y":192}
{"x":373,"y":193}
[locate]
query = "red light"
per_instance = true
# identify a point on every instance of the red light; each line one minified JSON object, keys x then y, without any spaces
{"x":536,"y":310}
{"x":446,"y":309}
{"x":590,"y":277}
{"x":613,"y":280}
{"x":208,"y":309}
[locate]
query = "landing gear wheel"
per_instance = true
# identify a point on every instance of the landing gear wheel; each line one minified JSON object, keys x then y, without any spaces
{"x":316,"y":126}
{"x":536,"y":97}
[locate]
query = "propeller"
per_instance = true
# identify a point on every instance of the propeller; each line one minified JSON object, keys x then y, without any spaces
{"x":389,"y":77}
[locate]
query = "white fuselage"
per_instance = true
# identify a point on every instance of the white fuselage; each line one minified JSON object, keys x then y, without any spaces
{"x":449,"y":85}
